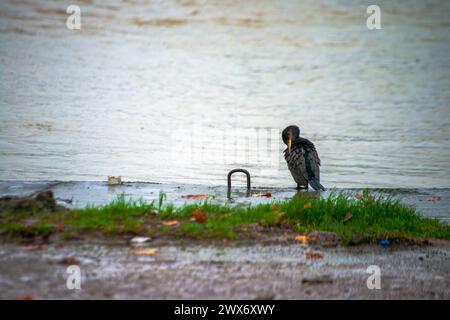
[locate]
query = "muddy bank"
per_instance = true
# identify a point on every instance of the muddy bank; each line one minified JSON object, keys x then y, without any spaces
{"x":223,"y":272}
{"x":263,"y":263}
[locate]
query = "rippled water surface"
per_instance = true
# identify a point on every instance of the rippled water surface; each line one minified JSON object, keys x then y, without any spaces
{"x":119,"y":96}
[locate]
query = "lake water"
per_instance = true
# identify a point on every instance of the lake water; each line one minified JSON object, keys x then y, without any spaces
{"x":184,"y":91}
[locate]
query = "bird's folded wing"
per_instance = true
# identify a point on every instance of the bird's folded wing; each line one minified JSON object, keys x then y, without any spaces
{"x":296,"y":164}
{"x":314,"y":160}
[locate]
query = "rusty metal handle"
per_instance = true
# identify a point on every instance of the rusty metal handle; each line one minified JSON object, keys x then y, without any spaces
{"x":249,"y":188}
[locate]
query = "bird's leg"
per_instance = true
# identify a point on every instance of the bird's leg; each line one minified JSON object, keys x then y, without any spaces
{"x":300,"y":187}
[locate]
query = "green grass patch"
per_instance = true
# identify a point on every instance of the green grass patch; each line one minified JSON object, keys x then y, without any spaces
{"x":373,"y":218}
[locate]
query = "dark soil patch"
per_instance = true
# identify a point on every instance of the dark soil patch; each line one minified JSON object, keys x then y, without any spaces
{"x":44,"y":201}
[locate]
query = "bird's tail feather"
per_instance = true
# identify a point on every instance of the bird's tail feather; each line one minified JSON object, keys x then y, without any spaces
{"x":315,"y":184}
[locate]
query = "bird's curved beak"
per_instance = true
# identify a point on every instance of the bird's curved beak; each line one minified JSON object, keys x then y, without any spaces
{"x":289,"y":144}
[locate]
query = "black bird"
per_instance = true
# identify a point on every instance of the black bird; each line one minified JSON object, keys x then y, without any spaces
{"x":302,"y":159}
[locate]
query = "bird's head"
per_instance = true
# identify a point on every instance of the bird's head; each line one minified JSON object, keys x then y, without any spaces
{"x":290,"y":134}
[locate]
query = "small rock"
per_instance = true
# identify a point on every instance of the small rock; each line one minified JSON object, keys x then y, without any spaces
{"x":68,"y":261}
{"x":317,"y":280}
{"x":44,"y":201}
{"x":32,"y":247}
{"x":324,"y":238}
{"x":267,"y":296}
{"x":356,"y":239}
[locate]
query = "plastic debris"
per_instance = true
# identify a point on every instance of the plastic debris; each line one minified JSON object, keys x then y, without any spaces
{"x":302,"y":238}
{"x":112,"y":181}
{"x":139,"y":240}
{"x":306,"y":239}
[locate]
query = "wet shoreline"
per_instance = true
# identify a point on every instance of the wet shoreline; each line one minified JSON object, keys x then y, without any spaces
{"x":433,"y":203}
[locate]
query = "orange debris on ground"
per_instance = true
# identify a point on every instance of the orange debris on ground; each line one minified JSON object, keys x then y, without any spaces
{"x":267,"y":195}
{"x":170,"y":223}
{"x":305,"y":239}
{"x":313,"y":255}
{"x":199,"y":216}
{"x":144,"y":251}
{"x":307,"y":206}
{"x":195,"y":196}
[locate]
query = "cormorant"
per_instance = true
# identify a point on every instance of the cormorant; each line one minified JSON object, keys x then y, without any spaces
{"x":302,"y":159}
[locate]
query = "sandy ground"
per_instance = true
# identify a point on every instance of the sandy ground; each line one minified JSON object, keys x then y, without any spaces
{"x":223,"y":271}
